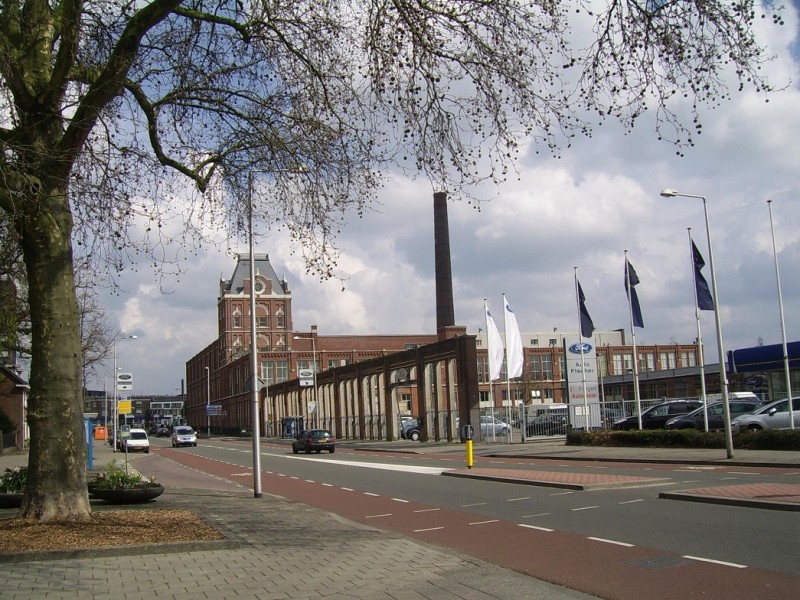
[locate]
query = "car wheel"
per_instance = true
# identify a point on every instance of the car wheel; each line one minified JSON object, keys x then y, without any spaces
{"x":332,"y":450}
{"x":308,"y":451}
{"x":294,"y":450}
{"x":318,"y":451}
{"x":754,"y":428}
{"x":147,"y":450}
{"x":415,"y":436}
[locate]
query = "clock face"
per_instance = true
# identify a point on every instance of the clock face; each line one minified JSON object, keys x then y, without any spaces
{"x":259,"y":286}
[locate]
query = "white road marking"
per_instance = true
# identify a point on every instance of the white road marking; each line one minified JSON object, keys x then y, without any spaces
{"x":561,"y":494}
{"x":378,"y":516}
{"x":429,"y":529}
{"x":427,"y":510}
{"x":400,"y":500}
{"x":584,"y":508}
{"x":382,"y":466}
{"x":371,"y":494}
{"x":535,"y":527}
{"x":716,"y":562}
{"x":536,"y":515}
{"x":483,"y":522}
{"x":742,"y":473}
{"x":516,"y":499}
{"x":632,"y":501}
{"x":604,"y":540}
{"x":475,"y":504}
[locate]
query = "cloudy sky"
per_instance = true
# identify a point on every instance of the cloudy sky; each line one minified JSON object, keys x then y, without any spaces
{"x":582,"y":210}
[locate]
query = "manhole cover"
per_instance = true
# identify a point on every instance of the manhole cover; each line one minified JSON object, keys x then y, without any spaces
{"x":658,"y":562}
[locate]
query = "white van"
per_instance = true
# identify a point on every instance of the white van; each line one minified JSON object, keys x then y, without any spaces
{"x":732,"y":396}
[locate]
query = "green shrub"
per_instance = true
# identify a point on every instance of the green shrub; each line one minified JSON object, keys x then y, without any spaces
{"x":14,"y":480}
{"x":686,"y":438}
{"x":117,"y":478}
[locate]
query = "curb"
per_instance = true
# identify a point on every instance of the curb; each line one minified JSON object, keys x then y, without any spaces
{"x":743,"y":502}
{"x":112,"y":551}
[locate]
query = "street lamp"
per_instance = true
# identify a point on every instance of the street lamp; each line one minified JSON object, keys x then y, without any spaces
{"x":723,"y":373}
{"x":314,"y":358}
{"x":783,"y":323}
{"x":116,"y":408}
{"x":208,"y":401}
{"x":253,"y":348}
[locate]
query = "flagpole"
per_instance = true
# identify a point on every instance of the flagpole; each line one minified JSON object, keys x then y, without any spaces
{"x":783,"y":324}
{"x":508,"y":360}
{"x":583,"y":366}
{"x":636,"y":394}
{"x":699,"y":338}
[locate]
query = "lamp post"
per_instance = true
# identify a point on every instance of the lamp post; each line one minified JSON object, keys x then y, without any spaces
{"x":314,"y":371}
{"x":208,"y":402}
{"x":783,"y":323}
{"x":253,"y":348}
{"x":116,"y":408}
{"x":723,"y":373}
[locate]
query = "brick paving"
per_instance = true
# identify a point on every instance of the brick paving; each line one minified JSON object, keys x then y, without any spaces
{"x":566,"y":480}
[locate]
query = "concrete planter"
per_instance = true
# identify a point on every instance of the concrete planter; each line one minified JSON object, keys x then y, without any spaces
{"x":127,"y":496}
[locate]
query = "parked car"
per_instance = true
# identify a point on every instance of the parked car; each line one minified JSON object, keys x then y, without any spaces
{"x":410,"y":429}
{"x":137,"y":441}
{"x":162,"y":431}
{"x":315,"y":440}
{"x":772,"y":416}
{"x":493,"y":426}
{"x":657,"y":415}
{"x":547,"y":425}
{"x":183,"y":435}
{"x":716,"y":415}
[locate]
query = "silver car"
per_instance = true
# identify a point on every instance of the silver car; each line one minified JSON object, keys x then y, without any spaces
{"x":772,"y":416}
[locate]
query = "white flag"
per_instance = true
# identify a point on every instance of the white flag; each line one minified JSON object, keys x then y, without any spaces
{"x":495,"y":345}
{"x":513,"y":342}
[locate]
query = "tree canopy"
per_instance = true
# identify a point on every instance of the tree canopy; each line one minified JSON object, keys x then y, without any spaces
{"x":109,"y":107}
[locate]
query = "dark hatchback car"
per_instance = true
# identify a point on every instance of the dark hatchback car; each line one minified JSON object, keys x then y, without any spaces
{"x":410,"y":430}
{"x":716,"y":417}
{"x":657,"y":416}
{"x":547,"y":425}
{"x":314,"y":440}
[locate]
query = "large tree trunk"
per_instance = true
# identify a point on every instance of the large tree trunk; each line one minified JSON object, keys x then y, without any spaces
{"x":57,"y":473}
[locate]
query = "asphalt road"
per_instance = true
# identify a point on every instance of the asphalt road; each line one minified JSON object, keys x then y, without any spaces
{"x":620,"y":541}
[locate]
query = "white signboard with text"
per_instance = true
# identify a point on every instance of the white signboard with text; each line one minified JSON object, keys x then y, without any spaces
{"x":582,"y":382}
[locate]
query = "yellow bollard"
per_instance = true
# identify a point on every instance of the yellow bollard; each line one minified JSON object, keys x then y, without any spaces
{"x":469,"y":453}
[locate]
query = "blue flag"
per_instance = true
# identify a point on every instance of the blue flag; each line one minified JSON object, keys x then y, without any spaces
{"x":632,"y":279}
{"x":704,"y":299}
{"x":587,"y":327}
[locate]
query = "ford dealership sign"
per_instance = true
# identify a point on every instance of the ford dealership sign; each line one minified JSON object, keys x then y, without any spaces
{"x":581,"y":348}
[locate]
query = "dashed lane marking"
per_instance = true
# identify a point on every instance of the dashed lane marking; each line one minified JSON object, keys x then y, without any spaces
{"x":716,"y":562}
{"x":484,"y":522}
{"x":535,"y":527}
{"x":606,"y":541}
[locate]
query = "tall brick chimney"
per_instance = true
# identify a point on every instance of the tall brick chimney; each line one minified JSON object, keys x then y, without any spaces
{"x":445,"y":311}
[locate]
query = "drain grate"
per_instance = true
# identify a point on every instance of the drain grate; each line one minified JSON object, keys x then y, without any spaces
{"x":658,"y":562}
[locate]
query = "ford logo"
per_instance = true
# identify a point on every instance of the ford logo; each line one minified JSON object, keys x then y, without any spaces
{"x":579,"y":348}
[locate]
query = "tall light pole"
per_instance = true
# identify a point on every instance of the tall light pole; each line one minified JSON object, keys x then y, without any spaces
{"x":783,"y":323}
{"x":314,"y":358}
{"x":208,"y":401}
{"x":253,"y":348}
{"x":723,"y":373}
{"x":116,"y":411}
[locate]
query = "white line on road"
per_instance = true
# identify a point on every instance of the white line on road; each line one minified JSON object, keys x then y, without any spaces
{"x":400,"y":500}
{"x":632,"y":501}
{"x":367,"y":465}
{"x":378,"y":516}
{"x":475,"y":504}
{"x":534,"y":527}
{"x":347,"y":489}
{"x":516,"y":499}
{"x":427,"y":510}
{"x":371,"y":494}
{"x":561,"y":494}
{"x":604,"y":540}
{"x":483,"y":522}
{"x":585,"y":508}
{"x":536,"y":515}
{"x":429,"y":529}
{"x":716,"y":562}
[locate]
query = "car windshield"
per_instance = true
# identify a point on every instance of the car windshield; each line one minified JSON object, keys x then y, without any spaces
{"x":320,"y":433}
{"x":184,"y":431}
{"x":138,"y":435}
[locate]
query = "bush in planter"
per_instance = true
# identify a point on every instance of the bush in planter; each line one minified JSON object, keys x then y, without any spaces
{"x":116,"y":478}
{"x":14,"y":480}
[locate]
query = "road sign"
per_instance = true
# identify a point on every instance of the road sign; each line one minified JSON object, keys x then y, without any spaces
{"x":124,"y":382}
{"x":306,"y":377}
{"x":213,"y":410}
{"x":124,"y":407}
